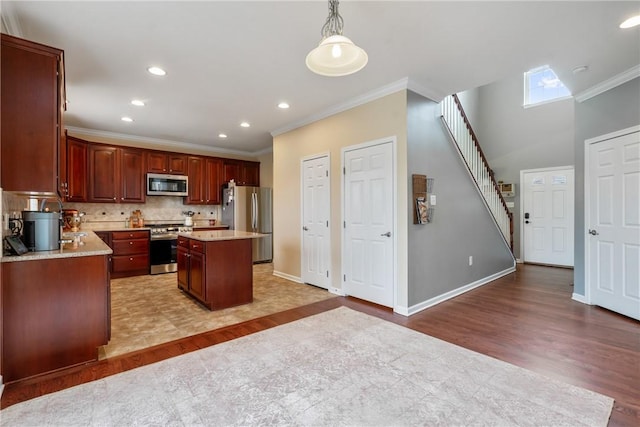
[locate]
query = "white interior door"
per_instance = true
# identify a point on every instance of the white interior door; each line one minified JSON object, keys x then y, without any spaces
{"x":613,"y":221}
{"x":368,"y":213}
{"x":547,"y":216}
{"x":315,"y":221}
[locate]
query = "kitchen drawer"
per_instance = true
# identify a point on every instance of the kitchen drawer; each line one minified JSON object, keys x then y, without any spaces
{"x":128,"y":263}
{"x":126,"y":235}
{"x":128,"y":247}
{"x":183,"y":242}
{"x":197,"y":245}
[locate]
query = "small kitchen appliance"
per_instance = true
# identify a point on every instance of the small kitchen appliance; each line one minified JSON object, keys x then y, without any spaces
{"x":41,"y":230}
{"x":188,"y":218}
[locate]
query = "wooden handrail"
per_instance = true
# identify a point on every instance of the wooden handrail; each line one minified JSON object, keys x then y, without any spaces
{"x":474,"y":138}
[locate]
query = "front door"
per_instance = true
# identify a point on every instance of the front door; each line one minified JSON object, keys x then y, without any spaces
{"x":368,"y":212}
{"x":315,"y":221}
{"x":547,"y":218}
{"x":613,"y":224}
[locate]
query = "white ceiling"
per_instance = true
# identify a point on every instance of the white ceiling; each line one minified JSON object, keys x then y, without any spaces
{"x":236,"y":60}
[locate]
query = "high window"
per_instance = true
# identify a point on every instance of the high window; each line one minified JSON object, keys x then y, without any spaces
{"x":542,"y":85}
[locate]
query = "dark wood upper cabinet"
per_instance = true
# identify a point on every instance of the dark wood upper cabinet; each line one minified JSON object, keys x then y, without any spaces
{"x":214,"y":181}
{"x":32,"y":101}
{"x":242,"y":172}
{"x":196,"y":187}
{"x":115,"y":174}
{"x":171,"y":163}
{"x":132,"y":179}
{"x":103,"y":173}
{"x":76,"y":170}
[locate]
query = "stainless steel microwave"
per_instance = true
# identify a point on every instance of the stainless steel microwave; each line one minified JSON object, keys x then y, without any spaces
{"x":160,"y":184}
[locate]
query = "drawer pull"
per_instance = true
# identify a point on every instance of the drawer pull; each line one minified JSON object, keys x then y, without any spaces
{"x":131,"y":243}
{"x":130,"y":259}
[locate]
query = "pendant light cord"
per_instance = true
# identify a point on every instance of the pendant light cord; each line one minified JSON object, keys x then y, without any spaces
{"x":334,"y":23}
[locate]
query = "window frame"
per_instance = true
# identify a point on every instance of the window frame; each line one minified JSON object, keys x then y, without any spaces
{"x":527,"y":81}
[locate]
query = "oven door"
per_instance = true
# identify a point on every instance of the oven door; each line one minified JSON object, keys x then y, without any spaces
{"x":164,"y":254}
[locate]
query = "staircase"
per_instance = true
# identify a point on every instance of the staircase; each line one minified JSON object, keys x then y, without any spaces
{"x":459,"y":128}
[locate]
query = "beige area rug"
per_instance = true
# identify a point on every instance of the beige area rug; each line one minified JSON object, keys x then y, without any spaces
{"x":151,"y":310}
{"x":340,"y":367}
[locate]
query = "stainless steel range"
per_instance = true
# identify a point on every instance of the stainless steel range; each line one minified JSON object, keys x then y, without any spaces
{"x":164,"y":247}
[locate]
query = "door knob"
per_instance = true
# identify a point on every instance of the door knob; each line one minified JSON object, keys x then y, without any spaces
{"x":387,"y":234}
{"x":305,"y":228}
{"x":593,"y":232}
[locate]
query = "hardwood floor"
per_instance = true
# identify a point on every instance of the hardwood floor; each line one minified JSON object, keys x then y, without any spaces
{"x":526,"y":318}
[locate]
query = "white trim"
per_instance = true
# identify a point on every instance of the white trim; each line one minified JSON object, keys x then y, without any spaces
{"x":326,"y":154}
{"x":609,"y":84}
{"x":587,"y":201}
{"x":455,"y":292}
{"x":393,"y":141}
{"x":548,"y":101}
{"x":521,"y":221}
{"x":344,"y":106}
{"x":519,"y":261}
{"x":580,"y":298}
{"x":287,"y":276}
{"x":156,"y":142}
{"x":336,"y":291}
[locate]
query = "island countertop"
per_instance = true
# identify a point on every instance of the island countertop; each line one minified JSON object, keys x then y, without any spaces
{"x":93,"y":245}
{"x":215,"y":235}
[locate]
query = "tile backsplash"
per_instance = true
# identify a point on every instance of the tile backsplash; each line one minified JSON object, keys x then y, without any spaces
{"x":157,"y":209}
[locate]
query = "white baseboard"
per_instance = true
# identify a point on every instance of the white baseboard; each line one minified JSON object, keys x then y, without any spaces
{"x":453,"y":293}
{"x":401,"y":310}
{"x":336,"y":291}
{"x":580,"y":298}
{"x":287,"y":276}
{"x":519,"y":261}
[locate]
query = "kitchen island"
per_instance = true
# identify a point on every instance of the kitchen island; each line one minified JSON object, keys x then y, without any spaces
{"x":216,"y":267}
{"x":55,"y":308}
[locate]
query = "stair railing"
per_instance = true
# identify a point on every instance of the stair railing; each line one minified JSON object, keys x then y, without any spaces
{"x":465,"y":139}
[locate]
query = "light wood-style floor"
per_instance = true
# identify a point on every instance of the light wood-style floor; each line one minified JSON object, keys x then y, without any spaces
{"x":526,"y":318}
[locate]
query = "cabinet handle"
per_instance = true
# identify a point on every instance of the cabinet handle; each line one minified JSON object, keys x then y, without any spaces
{"x":130,"y":259}
{"x":114,"y":198}
{"x":131,"y":243}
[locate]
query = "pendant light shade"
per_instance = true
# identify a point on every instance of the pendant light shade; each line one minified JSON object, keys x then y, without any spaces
{"x":336,"y":55}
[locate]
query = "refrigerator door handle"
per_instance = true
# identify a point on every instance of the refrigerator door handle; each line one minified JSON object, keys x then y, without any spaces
{"x":254,"y":214}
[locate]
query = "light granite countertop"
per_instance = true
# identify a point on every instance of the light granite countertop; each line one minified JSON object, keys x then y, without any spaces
{"x":92,"y":246}
{"x":214,"y":235}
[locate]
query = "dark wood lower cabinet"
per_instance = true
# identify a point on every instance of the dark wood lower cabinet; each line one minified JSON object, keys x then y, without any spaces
{"x":55,"y":314}
{"x":217,"y":273}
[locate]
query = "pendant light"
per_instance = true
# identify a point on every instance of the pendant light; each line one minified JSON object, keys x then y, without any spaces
{"x":336,"y":55}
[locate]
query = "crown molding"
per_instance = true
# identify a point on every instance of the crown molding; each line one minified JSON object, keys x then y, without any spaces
{"x":164,"y":143}
{"x":10,"y":20}
{"x":609,"y":84}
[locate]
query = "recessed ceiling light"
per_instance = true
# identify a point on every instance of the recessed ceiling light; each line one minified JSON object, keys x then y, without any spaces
{"x":127,"y":119}
{"x":631,"y":22}
{"x":156,"y":71}
{"x":580,"y":69}
{"x":137,"y":103}
{"x":222,"y":135}
{"x":245,"y":124}
{"x":283,"y":105}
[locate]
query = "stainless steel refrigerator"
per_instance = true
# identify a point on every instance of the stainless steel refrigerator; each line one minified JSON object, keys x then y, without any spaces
{"x":250,"y":209}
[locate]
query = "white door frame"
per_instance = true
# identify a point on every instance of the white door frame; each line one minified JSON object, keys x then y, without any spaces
{"x":394,"y":185}
{"x":587,"y":203}
{"x":521,"y":222}
{"x":302,"y":160}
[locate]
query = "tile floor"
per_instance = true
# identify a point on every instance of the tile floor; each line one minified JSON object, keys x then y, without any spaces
{"x":151,"y":310}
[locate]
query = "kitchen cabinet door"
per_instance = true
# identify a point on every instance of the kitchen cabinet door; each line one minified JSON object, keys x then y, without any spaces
{"x":30,"y":123}
{"x":231,"y":170}
{"x":76,"y":170}
{"x":197,"y":275}
{"x":196,"y":188}
{"x":132,"y":177}
{"x":103,"y":173}
{"x":183,"y":268}
{"x":157,"y":162}
{"x":177,"y":164}
{"x":251,"y":174}
{"x":214,"y":184}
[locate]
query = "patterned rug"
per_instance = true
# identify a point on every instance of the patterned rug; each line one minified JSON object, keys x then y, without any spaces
{"x":340,"y":367}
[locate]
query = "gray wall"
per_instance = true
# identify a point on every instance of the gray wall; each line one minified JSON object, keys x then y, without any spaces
{"x":616,"y":109}
{"x":514,"y":138}
{"x":439,"y":252}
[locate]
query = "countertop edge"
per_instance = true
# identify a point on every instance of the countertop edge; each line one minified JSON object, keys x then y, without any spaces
{"x":93,"y":246}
